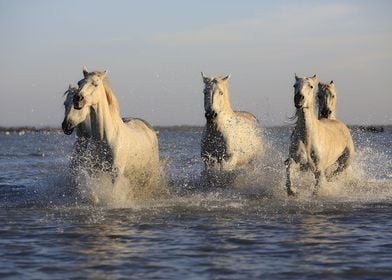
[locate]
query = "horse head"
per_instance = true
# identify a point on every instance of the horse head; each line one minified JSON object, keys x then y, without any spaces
{"x":326,"y":96}
{"x":215,"y":95}
{"x":72,"y":117}
{"x":89,"y":90}
{"x":303,"y":91}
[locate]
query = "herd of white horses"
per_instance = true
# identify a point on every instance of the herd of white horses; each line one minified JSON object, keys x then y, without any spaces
{"x":231,"y":139}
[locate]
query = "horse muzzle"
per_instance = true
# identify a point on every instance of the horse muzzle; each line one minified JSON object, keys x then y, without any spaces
{"x":298,"y":101}
{"x":326,"y":113}
{"x":67,"y":127}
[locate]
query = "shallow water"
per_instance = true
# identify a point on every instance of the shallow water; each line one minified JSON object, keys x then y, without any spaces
{"x":245,"y":231}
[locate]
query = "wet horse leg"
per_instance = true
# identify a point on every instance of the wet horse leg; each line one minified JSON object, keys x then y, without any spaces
{"x":290,"y":166}
{"x":344,"y":161}
{"x":319,"y":175}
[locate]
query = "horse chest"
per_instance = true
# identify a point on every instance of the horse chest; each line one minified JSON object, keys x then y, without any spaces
{"x":101,"y":156}
{"x":214,"y":145}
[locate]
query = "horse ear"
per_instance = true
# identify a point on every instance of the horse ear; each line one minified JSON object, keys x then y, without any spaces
{"x":320,"y":85}
{"x":104,"y":74}
{"x":331,"y":83}
{"x":70,"y":86}
{"x":205,"y":79}
{"x":226,"y":78}
{"x":314,"y":76}
{"x":296,"y":77}
{"x":85,"y":71}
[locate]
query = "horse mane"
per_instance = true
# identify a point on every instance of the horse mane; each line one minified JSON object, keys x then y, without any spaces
{"x":111,"y":98}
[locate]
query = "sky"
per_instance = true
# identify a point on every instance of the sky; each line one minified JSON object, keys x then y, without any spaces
{"x":154,"y":52}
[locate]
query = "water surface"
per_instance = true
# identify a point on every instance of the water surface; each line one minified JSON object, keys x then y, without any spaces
{"x":245,"y":231}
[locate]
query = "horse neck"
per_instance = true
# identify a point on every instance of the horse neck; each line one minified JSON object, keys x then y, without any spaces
{"x":84,"y":129}
{"x":104,"y":122}
{"x":81,"y":131}
{"x":306,"y":122}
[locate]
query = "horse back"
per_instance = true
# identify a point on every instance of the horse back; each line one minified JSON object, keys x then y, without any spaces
{"x":137,"y":121}
{"x":246,"y":115}
{"x":336,"y":128}
{"x":141,"y":127}
{"x":337,"y":136}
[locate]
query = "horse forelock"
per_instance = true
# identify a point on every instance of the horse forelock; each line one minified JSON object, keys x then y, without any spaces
{"x":71,"y":90}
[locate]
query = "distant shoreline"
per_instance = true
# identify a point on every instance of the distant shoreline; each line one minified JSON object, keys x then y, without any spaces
{"x":370,"y":128}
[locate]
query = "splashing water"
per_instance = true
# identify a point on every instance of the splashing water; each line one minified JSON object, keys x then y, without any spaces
{"x":367,"y":181}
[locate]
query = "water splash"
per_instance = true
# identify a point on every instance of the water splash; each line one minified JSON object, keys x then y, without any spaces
{"x":262,"y":184}
{"x":101,"y":189}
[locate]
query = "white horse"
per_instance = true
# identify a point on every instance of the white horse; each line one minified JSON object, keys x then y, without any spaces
{"x":83,"y":129}
{"x":230,"y":139}
{"x":316,"y":144}
{"x":326,"y":98}
{"x":129,"y":150}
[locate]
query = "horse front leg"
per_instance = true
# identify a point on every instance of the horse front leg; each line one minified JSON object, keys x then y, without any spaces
{"x":344,"y":162}
{"x":291,"y":191}
{"x":117,"y":174}
{"x":320,"y":180}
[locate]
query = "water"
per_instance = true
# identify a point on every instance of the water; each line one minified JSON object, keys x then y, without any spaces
{"x":245,"y":231}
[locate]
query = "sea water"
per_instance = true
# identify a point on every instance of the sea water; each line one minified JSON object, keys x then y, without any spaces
{"x":246,"y":230}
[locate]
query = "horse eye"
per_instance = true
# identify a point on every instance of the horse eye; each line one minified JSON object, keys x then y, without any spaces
{"x":311,"y":86}
{"x":221,"y":92}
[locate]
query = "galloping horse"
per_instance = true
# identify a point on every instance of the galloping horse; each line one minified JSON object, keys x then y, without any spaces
{"x":326,"y":98}
{"x":129,"y":149}
{"x":316,"y":144}
{"x":230,"y":139}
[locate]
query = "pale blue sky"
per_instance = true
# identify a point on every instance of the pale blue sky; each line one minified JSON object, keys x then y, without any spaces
{"x":155,"y":50}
